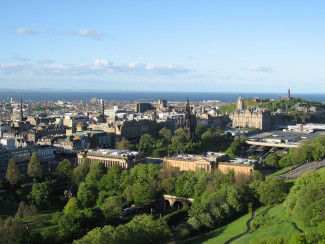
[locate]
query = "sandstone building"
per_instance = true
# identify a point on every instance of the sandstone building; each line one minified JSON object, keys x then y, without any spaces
{"x":243,"y":168}
{"x":125,"y":158}
{"x":251,"y":118}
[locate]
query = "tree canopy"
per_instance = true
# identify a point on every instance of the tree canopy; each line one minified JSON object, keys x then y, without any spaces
{"x":272,"y":190}
{"x":34,"y":167}
{"x":123,"y":144}
{"x":13,"y":174}
{"x":306,"y":200}
{"x":40,"y":194}
{"x":64,"y":169}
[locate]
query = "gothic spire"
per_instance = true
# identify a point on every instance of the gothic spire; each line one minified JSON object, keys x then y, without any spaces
{"x":21,"y":110}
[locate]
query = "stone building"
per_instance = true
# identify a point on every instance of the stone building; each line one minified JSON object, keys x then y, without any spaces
{"x":194,"y":163}
{"x":251,"y":118}
{"x":243,"y":168}
{"x":125,"y":158}
{"x":241,"y":171}
{"x":143,"y":107}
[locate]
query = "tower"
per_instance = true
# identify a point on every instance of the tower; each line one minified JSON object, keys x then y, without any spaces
{"x":103,"y":107}
{"x":289,"y":94}
{"x":240,"y":103}
{"x":45,"y":107}
{"x":21,"y":111}
{"x":189,"y":122}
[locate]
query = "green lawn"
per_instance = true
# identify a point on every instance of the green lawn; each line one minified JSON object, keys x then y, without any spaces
{"x":277,"y":225}
{"x":225,"y":233}
{"x":261,"y":209}
{"x":281,"y":171}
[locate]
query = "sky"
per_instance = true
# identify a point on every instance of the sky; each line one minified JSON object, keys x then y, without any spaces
{"x":163,"y":45}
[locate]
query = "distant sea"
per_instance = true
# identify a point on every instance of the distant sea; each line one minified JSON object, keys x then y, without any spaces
{"x":149,"y":96}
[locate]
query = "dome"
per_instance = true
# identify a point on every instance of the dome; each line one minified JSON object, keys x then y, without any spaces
{"x":213,"y":112}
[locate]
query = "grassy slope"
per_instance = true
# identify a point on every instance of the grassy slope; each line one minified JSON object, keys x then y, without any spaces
{"x":278,"y":225}
{"x":223,"y":234}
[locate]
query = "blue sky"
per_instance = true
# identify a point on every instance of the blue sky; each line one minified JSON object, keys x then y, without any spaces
{"x":221,"y":46}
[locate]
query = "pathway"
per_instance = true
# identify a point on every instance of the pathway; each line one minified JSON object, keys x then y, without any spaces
{"x":36,"y":221}
{"x":297,"y":172}
{"x":249,"y":225}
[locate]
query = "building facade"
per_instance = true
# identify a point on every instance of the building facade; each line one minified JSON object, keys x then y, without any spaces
{"x":251,"y":118}
{"x":125,"y":158}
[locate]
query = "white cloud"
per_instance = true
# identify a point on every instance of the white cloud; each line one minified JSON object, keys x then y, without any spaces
{"x":98,"y":67}
{"x":89,"y":33}
{"x":259,"y":68}
{"x":82,"y":33}
{"x":24,"y":31}
{"x":45,"y":61}
{"x":15,"y":57}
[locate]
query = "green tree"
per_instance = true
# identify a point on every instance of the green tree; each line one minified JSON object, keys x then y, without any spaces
{"x":143,"y":194}
{"x":179,"y":141}
{"x":112,"y":206}
{"x":231,"y":151}
{"x":97,"y":170}
{"x":208,"y":136}
{"x":21,"y":209}
{"x":141,"y":229}
{"x":110,"y":182}
{"x":34,"y":167}
{"x":258,"y":175}
{"x":156,"y":154}
{"x":272,"y":160}
{"x":123,"y":144}
{"x":72,"y":207}
{"x":146,"y":143}
{"x":219,"y":131}
{"x":12,"y":230}
{"x":79,"y":173}
{"x":306,"y":200}
{"x":87,"y":194}
{"x":272,"y":190}
{"x":200,"y":129}
{"x":166,"y":134}
{"x":185,"y":184}
{"x":70,"y":225}
{"x":13,"y":174}
{"x":40,"y":194}
{"x":64,"y":169}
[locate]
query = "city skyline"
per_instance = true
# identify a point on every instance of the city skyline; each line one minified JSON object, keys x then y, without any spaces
{"x":232,"y":46}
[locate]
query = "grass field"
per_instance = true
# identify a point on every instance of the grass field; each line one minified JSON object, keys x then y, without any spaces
{"x":277,"y":225}
{"x":224,"y":233}
{"x":281,"y":171}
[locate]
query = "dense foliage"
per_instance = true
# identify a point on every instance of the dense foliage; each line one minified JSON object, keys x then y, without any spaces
{"x":34,"y":167}
{"x":141,"y":229}
{"x":306,"y":200}
{"x":308,"y":151}
{"x":12,"y":174}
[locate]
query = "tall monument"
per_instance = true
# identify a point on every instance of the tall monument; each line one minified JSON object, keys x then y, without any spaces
{"x":189,"y":122}
{"x":21,"y":115}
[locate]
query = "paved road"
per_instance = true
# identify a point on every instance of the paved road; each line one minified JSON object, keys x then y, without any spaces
{"x":295,"y":173}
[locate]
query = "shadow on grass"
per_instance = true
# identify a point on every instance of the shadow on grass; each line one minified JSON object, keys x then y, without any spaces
{"x":207,"y":236}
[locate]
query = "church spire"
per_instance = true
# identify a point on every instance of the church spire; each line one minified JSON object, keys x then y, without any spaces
{"x":21,"y":111}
